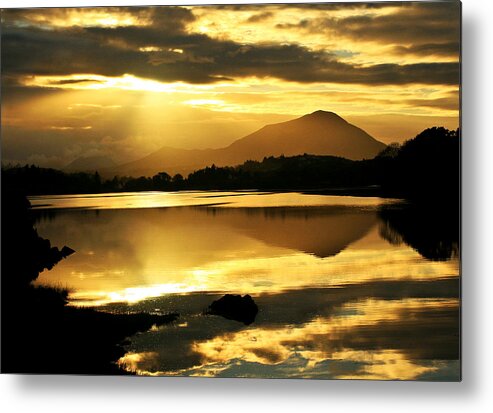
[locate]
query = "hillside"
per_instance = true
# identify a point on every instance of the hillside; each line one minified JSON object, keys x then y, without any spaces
{"x":319,"y":133}
{"x":89,"y":164}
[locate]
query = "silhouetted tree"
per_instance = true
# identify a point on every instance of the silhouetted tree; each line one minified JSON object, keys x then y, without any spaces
{"x":177,"y":181}
{"x":391,"y":151}
{"x":424,"y":167}
{"x":161,"y":181}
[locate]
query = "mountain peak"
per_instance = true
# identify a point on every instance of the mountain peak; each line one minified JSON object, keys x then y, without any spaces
{"x":323,"y":115}
{"x":317,"y":133}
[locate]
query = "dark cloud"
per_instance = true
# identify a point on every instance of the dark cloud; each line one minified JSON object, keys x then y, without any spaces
{"x":169,"y":17}
{"x":73,"y":81}
{"x":413,"y":25}
{"x":259,"y":17}
{"x":311,"y":6}
{"x":448,"y":103}
{"x":422,"y":22}
{"x":150,"y":51}
{"x":204,"y":60}
{"x":430,"y":49}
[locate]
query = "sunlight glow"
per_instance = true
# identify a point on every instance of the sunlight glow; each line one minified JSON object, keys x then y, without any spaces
{"x":199,"y":102}
{"x":268,"y":95}
{"x":96,"y":82}
{"x":85,"y":17}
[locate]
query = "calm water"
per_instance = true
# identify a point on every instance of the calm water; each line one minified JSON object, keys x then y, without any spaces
{"x":346,"y":287}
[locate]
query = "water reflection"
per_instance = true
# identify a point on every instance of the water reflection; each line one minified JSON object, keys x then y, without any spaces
{"x":130,"y":255}
{"x":386,"y":330}
{"x":431,"y":230}
{"x":230,"y":199}
{"x":346,"y":287}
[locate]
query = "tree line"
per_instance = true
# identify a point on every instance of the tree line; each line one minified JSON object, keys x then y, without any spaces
{"x":425,"y":166}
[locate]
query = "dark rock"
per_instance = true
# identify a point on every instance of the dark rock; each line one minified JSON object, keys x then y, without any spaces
{"x":235,"y":307}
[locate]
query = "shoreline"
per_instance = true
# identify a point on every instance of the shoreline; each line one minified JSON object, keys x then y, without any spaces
{"x":41,"y":334}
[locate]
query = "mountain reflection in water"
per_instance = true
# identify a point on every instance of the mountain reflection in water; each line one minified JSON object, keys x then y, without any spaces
{"x":346,"y":287}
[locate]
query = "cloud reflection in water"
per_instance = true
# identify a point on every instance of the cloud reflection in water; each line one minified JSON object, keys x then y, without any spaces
{"x":345,"y":290}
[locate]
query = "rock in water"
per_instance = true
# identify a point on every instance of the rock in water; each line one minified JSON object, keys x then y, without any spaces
{"x":235,"y":307}
{"x":66,"y":251}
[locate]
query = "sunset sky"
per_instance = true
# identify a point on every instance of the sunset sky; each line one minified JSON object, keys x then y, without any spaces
{"x":123,"y":82}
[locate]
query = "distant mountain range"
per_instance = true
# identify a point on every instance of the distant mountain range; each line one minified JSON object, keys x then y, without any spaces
{"x":318,"y":133}
{"x":90,"y":164}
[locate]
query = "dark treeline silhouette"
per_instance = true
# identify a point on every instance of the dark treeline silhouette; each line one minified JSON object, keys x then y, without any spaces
{"x":297,"y":172}
{"x":33,"y":180}
{"x":40,"y":333}
{"x":425,"y":166}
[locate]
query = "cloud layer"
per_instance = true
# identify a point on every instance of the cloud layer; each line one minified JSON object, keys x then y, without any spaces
{"x":158,"y":45}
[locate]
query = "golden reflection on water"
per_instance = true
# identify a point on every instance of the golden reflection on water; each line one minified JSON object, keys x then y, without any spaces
{"x":337,"y":298}
{"x":131,"y":255}
{"x":260,"y":275}
{"x":231,"y":199}
{"x":384,"y":365}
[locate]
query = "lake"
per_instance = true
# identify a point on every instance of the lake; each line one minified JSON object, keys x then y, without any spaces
{"x":346,"y":287}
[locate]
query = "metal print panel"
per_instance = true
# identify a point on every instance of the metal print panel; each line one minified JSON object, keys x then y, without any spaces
{"x":263,"y":191}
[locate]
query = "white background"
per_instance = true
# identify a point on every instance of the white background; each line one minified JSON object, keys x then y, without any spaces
{"x":474,"y":394}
